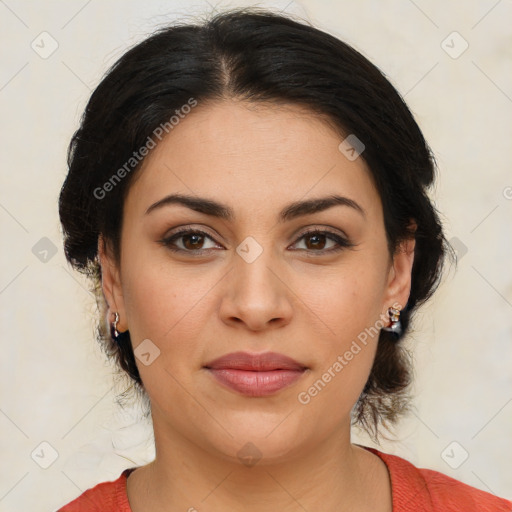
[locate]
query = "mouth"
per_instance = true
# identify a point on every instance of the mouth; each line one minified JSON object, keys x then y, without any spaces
{"x":256,"y":375}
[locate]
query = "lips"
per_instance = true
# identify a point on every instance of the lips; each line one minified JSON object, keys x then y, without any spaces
{"x":256,"y":374}
{"x":267,"y":361}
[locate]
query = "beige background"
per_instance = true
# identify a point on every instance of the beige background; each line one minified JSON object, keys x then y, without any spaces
{"x":54,"y":384}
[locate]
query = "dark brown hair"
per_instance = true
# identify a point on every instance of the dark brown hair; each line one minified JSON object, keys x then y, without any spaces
{"x":257,"y":56}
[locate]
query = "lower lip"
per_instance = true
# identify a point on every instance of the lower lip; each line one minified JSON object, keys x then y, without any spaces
{"x":253,"y":383}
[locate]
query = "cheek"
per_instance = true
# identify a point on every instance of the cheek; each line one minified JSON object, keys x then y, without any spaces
{"x":171,"y":305}
{"x":347,"y":309}
{"x":160,"y":304}
{"x":345,"y":354}
{"x":348,"y":298}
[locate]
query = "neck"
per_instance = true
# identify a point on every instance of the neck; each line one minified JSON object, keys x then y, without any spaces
{"x":334,"y":475}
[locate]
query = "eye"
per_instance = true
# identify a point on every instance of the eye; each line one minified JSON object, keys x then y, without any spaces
{"x":188,"y":240}
{"x":194,"y":241}
{"x":317,"y":241}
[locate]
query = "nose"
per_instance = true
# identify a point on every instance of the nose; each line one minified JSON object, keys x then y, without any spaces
{"x":256,"y":295}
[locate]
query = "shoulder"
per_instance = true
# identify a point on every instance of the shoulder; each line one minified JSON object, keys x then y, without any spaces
{"x":435,"y":491}
{"x":104,"y":496}
{"x":448,"y":492}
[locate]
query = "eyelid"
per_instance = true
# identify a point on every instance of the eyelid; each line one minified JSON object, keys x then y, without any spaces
{"x":180,"y":231}
{"x":186,"y":228}
{"x":341,"y":240}
{"x":323,"y":229}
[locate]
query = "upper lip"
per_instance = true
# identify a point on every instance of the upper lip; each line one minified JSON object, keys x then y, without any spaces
{"x":266,"y":361}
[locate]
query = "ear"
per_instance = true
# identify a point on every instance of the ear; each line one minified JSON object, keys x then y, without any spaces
{"x":111,"y":284}
{"x":399,"y":279}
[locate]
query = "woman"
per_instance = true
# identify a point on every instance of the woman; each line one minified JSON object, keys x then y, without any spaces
{"x":249,"y":197}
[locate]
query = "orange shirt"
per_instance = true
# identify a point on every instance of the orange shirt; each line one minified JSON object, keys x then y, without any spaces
{"x":413,"y":490}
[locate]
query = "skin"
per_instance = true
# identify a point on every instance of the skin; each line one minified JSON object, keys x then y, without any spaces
{"x":296,"y":298}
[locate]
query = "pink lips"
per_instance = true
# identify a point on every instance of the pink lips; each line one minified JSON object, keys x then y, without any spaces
{"x":256,"y":374}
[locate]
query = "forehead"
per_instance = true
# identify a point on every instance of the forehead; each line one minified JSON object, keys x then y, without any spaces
{"x":254,"y":157}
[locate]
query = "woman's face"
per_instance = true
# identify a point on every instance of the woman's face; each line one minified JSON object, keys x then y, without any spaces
{"x":254,"y":281}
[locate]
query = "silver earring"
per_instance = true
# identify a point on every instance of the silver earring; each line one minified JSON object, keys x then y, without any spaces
{"x":114,"y":325}
{"x":396,"y":325}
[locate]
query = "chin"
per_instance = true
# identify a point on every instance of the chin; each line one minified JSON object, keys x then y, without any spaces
{"x":262,"y":439}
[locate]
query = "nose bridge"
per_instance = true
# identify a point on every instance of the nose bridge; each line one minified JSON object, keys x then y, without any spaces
{"x":255,"y":267}
{"x":256,"y":293}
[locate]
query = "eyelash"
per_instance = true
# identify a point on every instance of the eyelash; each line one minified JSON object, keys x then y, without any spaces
{"x":341,"y":242}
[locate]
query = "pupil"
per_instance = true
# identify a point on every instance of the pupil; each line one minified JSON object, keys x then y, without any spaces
{"x":317,"y":237}
{"x":195,"y":240}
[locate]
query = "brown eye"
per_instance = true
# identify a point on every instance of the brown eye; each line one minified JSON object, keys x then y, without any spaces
{"x":189,"y":241}
{"x":193,"y":241}
{"x":319,"y":241}
{"x":316,"y":241}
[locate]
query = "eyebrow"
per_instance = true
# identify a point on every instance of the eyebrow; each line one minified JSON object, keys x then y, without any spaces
{"x":289,"y":212}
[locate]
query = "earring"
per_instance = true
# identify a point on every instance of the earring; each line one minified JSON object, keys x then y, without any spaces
{"x":113,"y":326}
{"x":396,"y":325}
